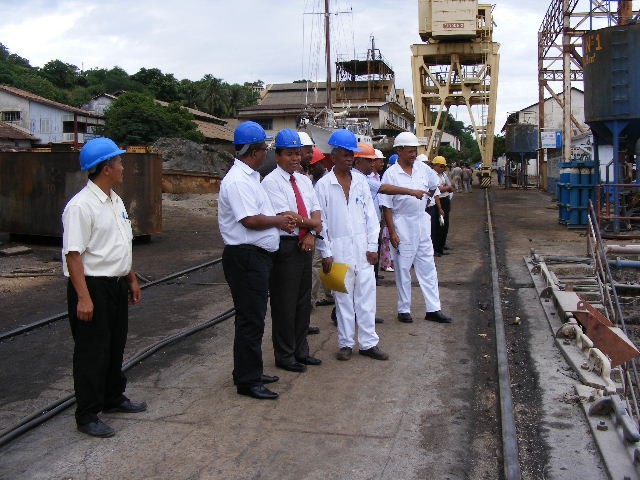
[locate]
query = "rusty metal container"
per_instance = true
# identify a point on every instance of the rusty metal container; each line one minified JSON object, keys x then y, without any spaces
{"x":36,"y":186}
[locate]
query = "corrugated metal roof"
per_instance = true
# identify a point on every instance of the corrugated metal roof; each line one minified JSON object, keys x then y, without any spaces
{"x":10,"y":132}
{"x":45,"y":101}
{"x":213,"y":130}
{"x":197,"y":113}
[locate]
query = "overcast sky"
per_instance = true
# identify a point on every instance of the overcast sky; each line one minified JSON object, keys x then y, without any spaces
{"x":245,"y":40}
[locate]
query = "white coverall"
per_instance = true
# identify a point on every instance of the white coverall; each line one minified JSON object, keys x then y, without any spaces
{"x":350,"y":230}
{"x":413,"y":226}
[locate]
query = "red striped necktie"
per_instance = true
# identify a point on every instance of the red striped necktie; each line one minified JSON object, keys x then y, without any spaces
{"x":302,"y":210}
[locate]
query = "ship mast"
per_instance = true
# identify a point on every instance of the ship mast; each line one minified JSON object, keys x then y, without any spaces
{"x":327,"y":52}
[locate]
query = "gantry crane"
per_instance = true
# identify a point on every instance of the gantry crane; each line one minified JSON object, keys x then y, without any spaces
{"x":457,"y":65}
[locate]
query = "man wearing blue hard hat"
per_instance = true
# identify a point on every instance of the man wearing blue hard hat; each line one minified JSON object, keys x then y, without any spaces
{"x":350,"y":231}
{"x":292,"y":193}
{"x":97,"y":258}
{"x":251,"y":232}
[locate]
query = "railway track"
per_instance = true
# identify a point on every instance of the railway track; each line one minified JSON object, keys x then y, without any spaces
{"x":509,"y":440}
{"x":15,"y":337}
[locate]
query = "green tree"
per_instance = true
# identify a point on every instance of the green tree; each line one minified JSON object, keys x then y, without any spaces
{"x":499,"y":146}
{"x":163,"y":86}
{"x":136,"y":119}
{"x":62,"y":75}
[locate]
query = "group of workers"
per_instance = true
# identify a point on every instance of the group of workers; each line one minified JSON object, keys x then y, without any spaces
{"x":272,"y":229}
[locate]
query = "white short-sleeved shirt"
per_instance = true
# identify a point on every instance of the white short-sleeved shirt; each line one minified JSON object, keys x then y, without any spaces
{"x":97,"y":226}
{"x":443,"y":179}
{"x":350,"y":229}
{"x":278,"y":186}
{"x":241,"y":196}
{"x":422,"y":178}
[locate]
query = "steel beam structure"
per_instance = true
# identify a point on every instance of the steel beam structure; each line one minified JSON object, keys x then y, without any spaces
{"x":560,"y":58}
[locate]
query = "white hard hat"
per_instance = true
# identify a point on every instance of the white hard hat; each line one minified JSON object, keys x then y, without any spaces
{"x":305,"y":139}
{"x":379,"y":154}
{"x":422,"y":158}
{"x":406,"y":139}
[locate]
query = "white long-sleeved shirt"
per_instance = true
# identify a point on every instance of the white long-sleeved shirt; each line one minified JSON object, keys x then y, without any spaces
{"x":350,"y":228}
{"x":280,"y":190}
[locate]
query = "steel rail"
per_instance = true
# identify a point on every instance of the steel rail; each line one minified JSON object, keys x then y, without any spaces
{"x":509,"y":437}
{"x":59,"y":316}
{"x":55,"y":408}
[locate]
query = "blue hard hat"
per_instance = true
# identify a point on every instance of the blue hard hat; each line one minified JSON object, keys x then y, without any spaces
{"x":344,"y":138}
{"x":393,"y":159}
{"x":288,"y":138}
{"x":97,"y":151}
{"x":249,"y":132}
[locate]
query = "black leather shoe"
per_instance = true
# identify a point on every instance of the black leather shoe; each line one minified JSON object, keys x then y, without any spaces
{"x":313,"y":330}
{"x":437,"y":254}
{"x":269,"y":378}
{"x":292,"y":367}
{"x":97,"y":429}
{"x":379,"y":320}
{"x":127,"y":406}
{"x":258,"y":391}
{"x":375,"y":353}
{"x":405,"y":317}
{"x":324,"y":302}
{"x":447,"y":248}
{"x":309,"y":361}
{"x":437,"y":317}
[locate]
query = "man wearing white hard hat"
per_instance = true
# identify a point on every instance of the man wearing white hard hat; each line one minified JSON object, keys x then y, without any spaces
{"x":410,"y":229}
{"x":306,"y":151}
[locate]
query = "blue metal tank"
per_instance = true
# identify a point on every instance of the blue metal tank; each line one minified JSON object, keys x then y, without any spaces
{"x":611,"y":62}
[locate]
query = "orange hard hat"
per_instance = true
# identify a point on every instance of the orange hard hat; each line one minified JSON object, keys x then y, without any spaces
{"x":317,"y":156}
{"x":367,"y":151}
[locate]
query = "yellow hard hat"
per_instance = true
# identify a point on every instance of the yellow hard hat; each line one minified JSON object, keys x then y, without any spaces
{"x":439,"y":160}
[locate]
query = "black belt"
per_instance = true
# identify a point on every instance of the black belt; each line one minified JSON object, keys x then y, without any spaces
{"x":288,"y":237}
{"x":107,"y":279}
{"x":248,"y":246}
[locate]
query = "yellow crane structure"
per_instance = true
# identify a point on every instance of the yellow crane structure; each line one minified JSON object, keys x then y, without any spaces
{"x":457,"y":64}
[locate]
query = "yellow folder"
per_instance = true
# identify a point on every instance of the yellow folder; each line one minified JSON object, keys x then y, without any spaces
{"x":334,"y":280}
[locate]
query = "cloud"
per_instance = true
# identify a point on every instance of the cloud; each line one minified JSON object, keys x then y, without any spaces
{"x":247,"y":40}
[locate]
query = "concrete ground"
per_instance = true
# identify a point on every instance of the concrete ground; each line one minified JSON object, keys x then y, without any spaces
{"x":429,"y":412}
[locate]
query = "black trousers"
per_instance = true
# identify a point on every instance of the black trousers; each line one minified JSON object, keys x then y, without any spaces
{"x":290,"y":293}
{"x":439,"y":232}
{"x":99,"y":347}
{"x":247,"y":269}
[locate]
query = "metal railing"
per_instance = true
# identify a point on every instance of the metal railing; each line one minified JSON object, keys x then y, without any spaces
{"x":611,"y":302}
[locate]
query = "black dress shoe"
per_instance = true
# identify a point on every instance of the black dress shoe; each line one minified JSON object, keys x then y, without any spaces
{"x":127,"y":406}
{"x":313,"y":330}
{"x":292,"y":367}
{"x":437,"y":317}
{"x":374,"y":352}
{"x":437,"y":254}
{"x":324,"y":302}
{"x":269,"y":378}
{"x":405,"y":317}
{"x":258,"y":391}
{"x":379,"y":320}
{"x":309,"y":361}
{"x":447,"y":248}
{"x":97,"y":429}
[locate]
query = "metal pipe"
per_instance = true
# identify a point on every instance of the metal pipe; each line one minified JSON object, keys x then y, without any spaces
{"x":509,"y":437}
{"x":626,"y":249}
{"x":624,"y":263}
